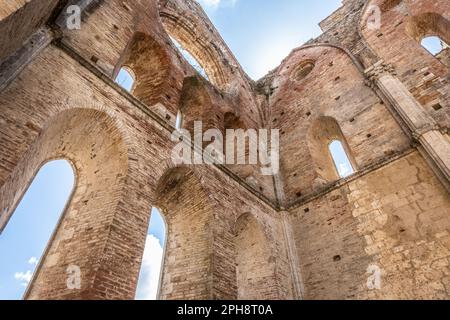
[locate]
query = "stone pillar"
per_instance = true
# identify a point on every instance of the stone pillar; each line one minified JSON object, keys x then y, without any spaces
{"x":294,"y":263}
{"x":422,"y":126}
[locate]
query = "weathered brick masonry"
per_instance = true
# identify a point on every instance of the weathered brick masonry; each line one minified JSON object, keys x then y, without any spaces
{"x":232,"y":232}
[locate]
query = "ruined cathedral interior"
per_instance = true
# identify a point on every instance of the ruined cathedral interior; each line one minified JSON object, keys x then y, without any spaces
{"x":366,"y":85}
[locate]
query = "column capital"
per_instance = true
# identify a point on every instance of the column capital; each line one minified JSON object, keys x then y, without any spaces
{"x":380,"y":68}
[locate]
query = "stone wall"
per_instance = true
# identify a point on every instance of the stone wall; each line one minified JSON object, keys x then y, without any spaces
{"x":49,"y":121}
{"x":404,"y":24}
{"x":334,"y":88}
{"x":232,"y":233}
{"x":395,"y":218}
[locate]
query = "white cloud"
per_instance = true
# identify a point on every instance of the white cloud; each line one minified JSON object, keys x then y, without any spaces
{"x":33,"y":261}
{"x":150,"y":270}
{"x":216,"y":3}
{"x":24,"y":278}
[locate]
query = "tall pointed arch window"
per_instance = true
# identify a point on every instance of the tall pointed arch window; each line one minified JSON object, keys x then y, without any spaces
{"x":24,"y":241}
{"x":190,"y":58}
{"x":340,"y":158}
{"x":150,"y":276}
{"x":179,"y":121}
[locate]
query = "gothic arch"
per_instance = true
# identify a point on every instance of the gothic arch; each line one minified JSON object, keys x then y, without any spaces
{"x":428,"y":24}
{"x":182,"y":198}
{"x":154,"y":71}
{"x":53,"y":222}
{"x":295,"y":105}
{"x":181,"y":25}
{"x":289,"y":65}
{"x":255,"y":264}
{"x":198,"y":103}
{"x":93,"y":142}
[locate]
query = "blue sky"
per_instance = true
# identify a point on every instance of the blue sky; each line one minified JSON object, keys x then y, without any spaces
{"x":30,"y":228}
{"x":260,"y":33}
{"x":125,"y":79}
{"x":432,"y":44}
{"x":341,"y":161}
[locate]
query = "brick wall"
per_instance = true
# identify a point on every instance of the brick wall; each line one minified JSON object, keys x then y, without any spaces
{"x":231,"y":233}
{"x":395,"y":218}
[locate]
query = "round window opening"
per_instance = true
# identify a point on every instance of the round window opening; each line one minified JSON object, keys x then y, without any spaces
{"x":303,"y":70}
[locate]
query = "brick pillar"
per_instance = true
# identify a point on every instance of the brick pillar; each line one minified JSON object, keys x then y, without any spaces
{"x":423,"y":128}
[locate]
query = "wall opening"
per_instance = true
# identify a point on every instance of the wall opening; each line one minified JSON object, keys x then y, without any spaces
{"x":432,"y":31}
{"x":434,"y":45}
{"x":190,"y":58}
{"x":340,"y":159}
{"x":152,"y":261}
{"x":189,"y":32}
{"x":179,"y":120}
{"x":147,"y":59}
{"x":330,"y":152}
{"x":24,"y":241}
{"x":126,"y":79}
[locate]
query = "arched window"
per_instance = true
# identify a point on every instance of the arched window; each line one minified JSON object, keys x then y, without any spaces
{"x":126,"y":79}
{"x":340,"y":159}
{"x":190,"y":59}
{"x":432,"y":31}
{"x":25,"y":238}
{"x":331,"y":154}
{"x":150,"y":275}
{"x":179,"y":121}
{"x":434,"y":45}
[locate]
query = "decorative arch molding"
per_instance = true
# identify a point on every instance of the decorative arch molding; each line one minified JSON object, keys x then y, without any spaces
{"x":182,"y":27}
